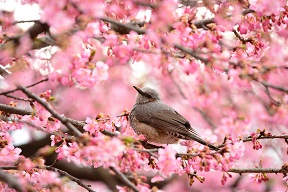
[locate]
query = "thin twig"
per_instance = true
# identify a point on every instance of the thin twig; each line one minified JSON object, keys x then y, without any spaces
{"x":150,"y":151}
{"x":258,"y":170}
{"x":177,"y":86}
{"x":205,"y":117}
{"x":26,"y":21}
{"x":267,"y":91}
{"x":64,"y":173}
{"x":17,"y":89}
{"x":191,"y":52}
{"x":18,"y":98}
{"x":124,"y":179}
{"x":274,"y":86}
{"x":72,"y":178}
{"x":48,"y":107}
{"x":197,"y":154}
{"x":60,"y":134}
{"x":267,"y":137}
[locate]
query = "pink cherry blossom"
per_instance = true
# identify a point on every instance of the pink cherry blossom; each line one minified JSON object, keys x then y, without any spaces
{"x":167,"y":161}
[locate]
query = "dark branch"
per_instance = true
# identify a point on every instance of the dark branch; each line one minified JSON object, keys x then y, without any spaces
{"x":124,"y":25}
{"x":267,"y":137}
{"x":125,"y":179}
{"x":37,"y":29}
{"x":200,"y":24}
{"x":17,"y":89}
{"x":259,"y":170}
{"x":63,"y":173}
{"x":79,"y":124}
{"x":191,"y":52}
{"x":63,"y":119}
{"x":11,"y":180}
{"x":14,"y":110}
{"x":274,"y":86}
{"x":78,"y":181}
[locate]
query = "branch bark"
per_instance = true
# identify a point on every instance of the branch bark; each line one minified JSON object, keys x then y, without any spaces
{"x":259,"y":170}
{"x":125,"y":179}
{"x":11,"y":180}
{"x":63,"y":119}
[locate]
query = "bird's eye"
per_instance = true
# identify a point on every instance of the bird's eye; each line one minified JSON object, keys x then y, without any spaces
{"x":149,"y":95}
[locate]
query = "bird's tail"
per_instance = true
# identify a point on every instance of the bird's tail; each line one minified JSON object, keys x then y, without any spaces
{"x":199,"y":140}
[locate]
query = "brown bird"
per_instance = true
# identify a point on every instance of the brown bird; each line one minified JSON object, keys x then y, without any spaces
{"x":159,"y":122}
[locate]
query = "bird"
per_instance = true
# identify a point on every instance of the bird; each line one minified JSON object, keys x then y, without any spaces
{"x":159,"y":122}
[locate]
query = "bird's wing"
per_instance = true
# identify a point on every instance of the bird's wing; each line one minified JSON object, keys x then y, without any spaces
{"x":163,"y":117}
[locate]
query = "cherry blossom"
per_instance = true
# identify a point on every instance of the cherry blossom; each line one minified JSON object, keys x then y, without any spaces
{"x":66,"y":89}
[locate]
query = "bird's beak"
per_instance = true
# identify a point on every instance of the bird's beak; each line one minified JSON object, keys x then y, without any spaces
{"x":138,"y":90}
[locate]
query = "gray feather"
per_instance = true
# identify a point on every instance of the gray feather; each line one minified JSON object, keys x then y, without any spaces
{"x":160,"y":116}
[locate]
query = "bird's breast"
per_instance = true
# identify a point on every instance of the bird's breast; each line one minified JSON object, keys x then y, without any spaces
{"x":152,"y":134}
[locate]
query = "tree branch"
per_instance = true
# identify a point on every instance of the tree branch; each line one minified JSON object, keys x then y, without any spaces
{"x":259,"y":170}
{"x":124,"y":25}
{"x":63,"y":119}
{"x":267,"y":137}
{"x":191,"y":52}
{"x":63,"y":173}
{"x":17,"y":89}
{"x":79,"y":124}
{"x":266,"y":84}
{"x":78,"y":181}
{"x":14,"y":110}
{"x":11,"y":180}
{"x":125,"y":179}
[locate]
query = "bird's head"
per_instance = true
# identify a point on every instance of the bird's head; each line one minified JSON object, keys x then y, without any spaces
{"x":146,"y":95}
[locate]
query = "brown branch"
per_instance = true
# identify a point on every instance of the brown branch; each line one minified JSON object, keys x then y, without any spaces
{"x":17,"y":89}
{"x":25,"y":21}
{"x":78,"y":181}
{"x":243,"y":40}
{"x":63,"y":173}
{"x":267,"y":137}
{"x":202,"y":23}
{"x":33,"y":32}
{"x":125,"y":179}
{"x":191,"y":52}
{"x":60,"y":134}
{"x":11,"y":180}
{"x":48,"y":107}
{"x":125,"y":28}
{"x":14,"y":110}
{"x":177,"y":86}
{"x":79,"y":124}
{"x":18,"y":98}
{"x":268,"y":93}
{"x":37,"y":29}
{"x":266,"y":84}
{"x":198,"y":154}
{"x":205,"y":117}
{"x":124,"y":25}
{"x":259,"y":170}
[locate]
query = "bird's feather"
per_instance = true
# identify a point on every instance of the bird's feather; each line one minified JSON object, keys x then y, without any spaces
{"x":164,"y":117}
{"x":150,"y":111}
